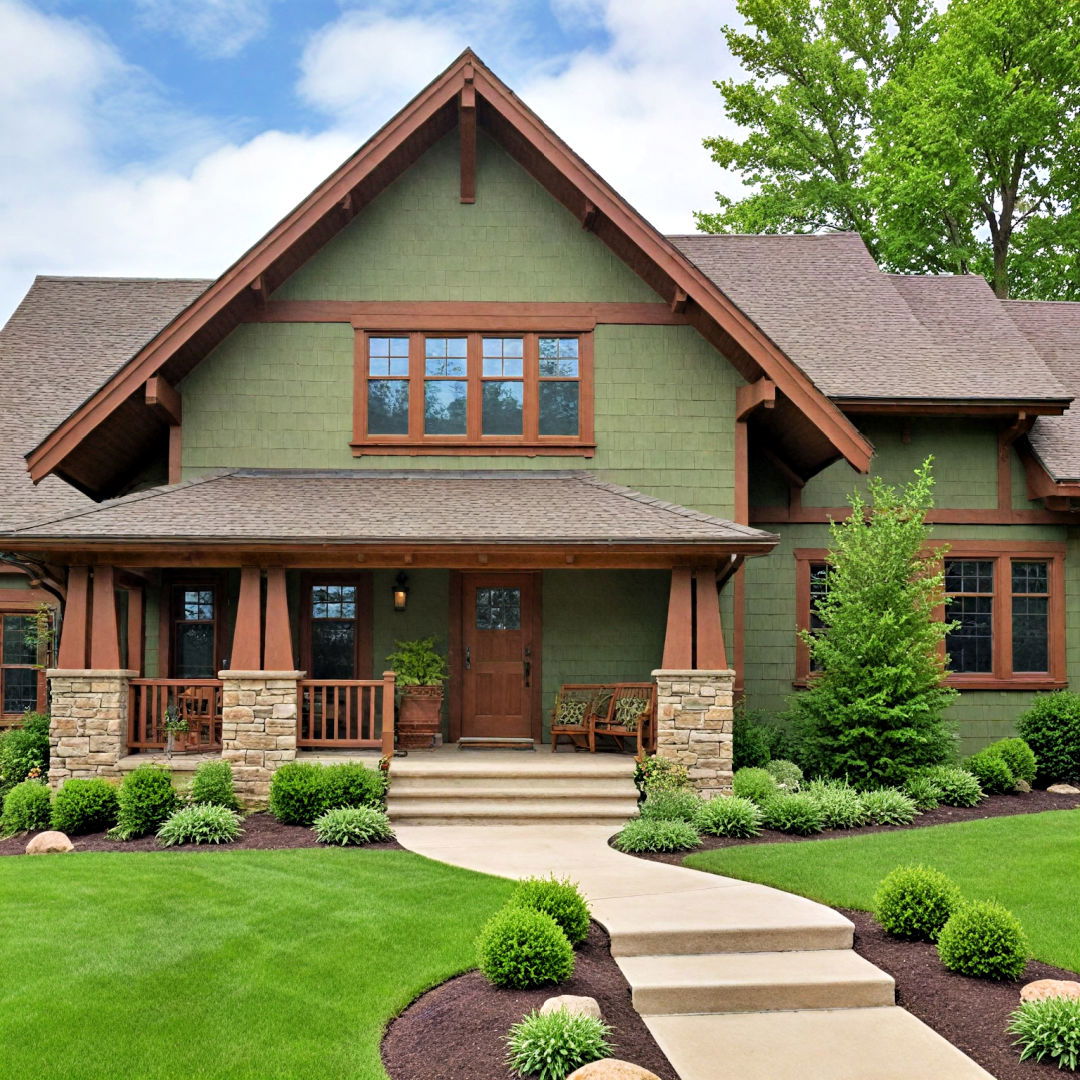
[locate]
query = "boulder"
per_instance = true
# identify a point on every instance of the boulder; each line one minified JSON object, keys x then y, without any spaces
{"x":1022,"y":786}
{"x":46,"y":843}
{"x":583,"y":1006}
{"x":1063,"y":789}
{"x":1042,"y":989}
{"x":612,"y":1069}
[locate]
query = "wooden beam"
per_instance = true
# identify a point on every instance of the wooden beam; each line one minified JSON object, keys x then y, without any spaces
{"x":164,"y":400}
{"x":277,"y":643}
{"x":467,"y":136}
{"x":588,"y":216}
{"x":258,"y":287}
{"x":246,"y":654}
{"x":1006,"y":437}
{"x":679,"y":636}
{"x":678,"y":301}
{"x":710,"y":653}
{"x":176,"y":453}
{"x":73,"y":632}
{"x":752,"y":396}
{"x":105,"y":632}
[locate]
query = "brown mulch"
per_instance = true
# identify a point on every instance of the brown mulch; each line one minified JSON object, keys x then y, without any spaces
{"x":1033,"y":802}
{"x":971,"y":1013}
{"x":261,"y":833}
{"x":456,"y":1030}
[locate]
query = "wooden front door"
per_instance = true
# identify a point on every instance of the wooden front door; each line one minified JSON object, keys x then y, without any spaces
{"x":499,"y":656}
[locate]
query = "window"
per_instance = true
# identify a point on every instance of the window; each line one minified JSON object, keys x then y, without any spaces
{"x":20,"y":677}
{"x":335,"y":626}
{"x":194,"y":637}
{"x":811,"y":583}
{"x":485,"y":392}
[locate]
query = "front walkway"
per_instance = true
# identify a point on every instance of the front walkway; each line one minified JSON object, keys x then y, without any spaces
{"x":734,"y":980}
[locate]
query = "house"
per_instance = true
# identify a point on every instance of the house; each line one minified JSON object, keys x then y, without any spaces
{"x":464,"y":390}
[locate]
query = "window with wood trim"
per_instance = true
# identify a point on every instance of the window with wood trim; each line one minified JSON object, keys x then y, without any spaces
{"x":436,"y":392}
{"x":22,"y":677}
{"x":194,"y":636}
{"x":335,"y":626}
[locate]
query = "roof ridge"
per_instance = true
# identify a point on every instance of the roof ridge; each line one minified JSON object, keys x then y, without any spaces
{"x":113,"y":279}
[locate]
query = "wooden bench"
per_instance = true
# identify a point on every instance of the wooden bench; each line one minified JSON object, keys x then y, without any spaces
{"x":619,"y":711}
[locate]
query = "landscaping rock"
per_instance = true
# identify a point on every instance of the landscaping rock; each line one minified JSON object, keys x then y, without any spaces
{"x":1050,"y":988}
{"x":1063,"y":789}
{"x":47,"y":843}
{"x":612,"y":1069}
{"x":1023,"y":787}
{"x":582,"y":1006}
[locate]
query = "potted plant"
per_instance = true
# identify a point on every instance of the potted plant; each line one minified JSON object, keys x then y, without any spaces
{"x":421,"y":672}
{"x":174,"y":725}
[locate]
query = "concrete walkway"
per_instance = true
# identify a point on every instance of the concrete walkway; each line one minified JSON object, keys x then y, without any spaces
{"x":735,"y":981}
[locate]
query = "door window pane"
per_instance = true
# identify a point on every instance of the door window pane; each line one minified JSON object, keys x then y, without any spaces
{"x":15,"y":647}
{"x":388,"y":407}
{"x":1031,"y":615}
{"x":445,"y":406}
{"x":558,"y":408}
{"x":498,"y":609}
{"x":503,"y":408}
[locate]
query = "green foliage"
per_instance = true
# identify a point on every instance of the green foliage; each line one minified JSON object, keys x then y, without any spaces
{"x":888,"y":806}
{"x":955,"y":786}
{"x":754,"y":784}
{"x":654,"y":774}
{"x":984,"y":940}
{"x":730,"y":816}
{"x":348,"y":825}
{"x":85,"y":806}
{"x":915,"y":902}
{"x":561,"y":899}
{"x":520,"y":948}
{"x":840,"y":804}
{"x":923,"y":792}
{"x":875,"y":712}
{"x":1048,"y":1030}
{"x":418,"y":663}
{"x":27,"y":808}
{"x":798,"y":814}
{"x":24,"y":749}
{"x":203,"y":823}
{"x":146,"y":799}
{"x":300,"y":791}
{"x":680,"y":805}
{"x":213,"y":785}
{"x":640,"y":835}
{"x":352,"y":784}
{"x":550,"y":1046}
{"x":1051,"y":727}
{"x":992,"y":771}
{"x":749,"y":740}
{"x":1018,"y":756}
{"x":787,"y":774}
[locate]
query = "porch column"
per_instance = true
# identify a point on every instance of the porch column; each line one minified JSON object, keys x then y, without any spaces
{"x":694,"y":725}
{"x":88,"y":729}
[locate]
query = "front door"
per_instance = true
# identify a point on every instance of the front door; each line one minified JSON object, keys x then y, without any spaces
{"x":498,"y":655}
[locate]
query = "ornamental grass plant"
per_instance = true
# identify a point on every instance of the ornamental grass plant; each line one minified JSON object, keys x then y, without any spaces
{"x":642,"y":835}
{"x":550,"y":1046}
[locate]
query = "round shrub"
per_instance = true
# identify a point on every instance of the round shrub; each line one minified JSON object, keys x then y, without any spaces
{"x":24,"y":751}
{"x":839,"y":803}
{"x":297,"y":793}
{"x":644,"y":835}
{"x":27,"y":808}
{"x":1048,"y":1029}
{"x":729,"y":816}
{"x":923,"y":792}
{"x":346,"y":825}
{"x":201,"y":824}
{"x":678,"y":805}
{"x":993,"y":773}
{"x":956,"y":787}
{"x":1051,"y":727}
{"x":520,"y":948}
{"x":146,"y":799}
{"x":787,"y":774}
{"x":85,"y":806}
{"x":984,"y":940}
{"x":754,"y":784}
{"x":915,"y":902}
{"x":552,"y":1045}
{"x":889,"y":806}
{"x":351,"y":783}
{"x":561,"y":899}
{"x":1018,"y":756}
{"x":213,"y":785}
{"x":798,"y":814}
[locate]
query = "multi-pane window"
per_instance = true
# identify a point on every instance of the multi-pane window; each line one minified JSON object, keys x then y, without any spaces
{"x":19,"y":673}
{"x":498,"y":609}
{"x":819,"y":588}
{"x":333,"y":615}
{"x":498,"y":389}
{"x":194,"y":632}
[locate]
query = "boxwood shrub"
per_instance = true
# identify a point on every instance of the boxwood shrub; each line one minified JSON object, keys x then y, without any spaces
{"x":27,"y":808}
{"x":301,"y":791}
{"x":1018,"y":756}
{"x":754,"y":784}
{"x":213,"y":785}
{"x":85,"y":806}
{"x":1051,"y":727}
{"x":984,"y":940}
{"x":520,"y":948}
{"x":992,"y":771}
{"x":559,"y":898}
{"x":915,"y":902}
{"x":24,"y":751}
{"x":145,"y":800}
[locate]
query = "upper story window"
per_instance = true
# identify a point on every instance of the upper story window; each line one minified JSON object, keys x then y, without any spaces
{"x":473,"y":393}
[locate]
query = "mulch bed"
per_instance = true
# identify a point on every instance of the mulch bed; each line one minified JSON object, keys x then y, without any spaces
{"x":1033,"y":802}
{"x":261,"y":833}
{"x":971,"y":1013}
{"x":457,"y":1029}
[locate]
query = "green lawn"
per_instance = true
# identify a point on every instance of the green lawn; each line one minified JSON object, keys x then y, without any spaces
{"x":221,"y":965}
{"x":1030,"y":863}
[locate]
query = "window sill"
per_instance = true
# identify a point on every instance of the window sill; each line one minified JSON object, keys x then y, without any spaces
{"x":471,"y":449}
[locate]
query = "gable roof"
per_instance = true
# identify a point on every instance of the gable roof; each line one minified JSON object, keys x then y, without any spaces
{"x":105,"y":435}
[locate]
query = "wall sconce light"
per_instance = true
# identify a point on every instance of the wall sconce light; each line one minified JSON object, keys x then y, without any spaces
{"x":401,"y":591}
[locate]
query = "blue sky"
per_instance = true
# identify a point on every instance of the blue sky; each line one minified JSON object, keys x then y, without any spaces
{"x":163,"y":137}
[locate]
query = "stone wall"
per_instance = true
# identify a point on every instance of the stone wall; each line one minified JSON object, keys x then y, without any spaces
{"x":258,"y":728}
{"x":694,"y":725}
{"x":88,"y":732}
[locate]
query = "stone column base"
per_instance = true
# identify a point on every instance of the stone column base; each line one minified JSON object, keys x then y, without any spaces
{"x":694,"y":725}
{"x":258,"y":728}
{"x":88,"y":730}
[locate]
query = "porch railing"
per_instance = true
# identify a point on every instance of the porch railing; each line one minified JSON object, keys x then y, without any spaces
{"x":198,"y":701}
{"x":346,"y":713}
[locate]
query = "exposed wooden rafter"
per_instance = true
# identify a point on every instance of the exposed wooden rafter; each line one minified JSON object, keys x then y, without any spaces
{"x":588,"y":215}
{"x":753,"y":396}
{"x":678,"y":301}
{"x":164,"y":400}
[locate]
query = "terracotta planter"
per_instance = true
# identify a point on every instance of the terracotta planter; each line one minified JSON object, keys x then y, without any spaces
{"x":419,"y":717}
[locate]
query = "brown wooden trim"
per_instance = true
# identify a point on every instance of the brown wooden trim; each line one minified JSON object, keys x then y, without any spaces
{"x":174,"y":580}
{"x":710,"y":653}
{"x":26,"y":599}
{"x":245,"y":654}
{"x":760,"y":394}
{"x":176,"y":454}
{"x":277,"y":632}
{"x":738,"y":629}
{"x":679,"y":635}
{"x":807,"y":515}
{"x":738,"y":588}
{"x":365,"y":616}
{"x":467,"y":140}
{"x":74,"y":651}
{"x":576,"y":449}
{"x":104,"y":631}
{"x":923,"y":407}
{"x":164,"y":400}
{"x":454,"y":655}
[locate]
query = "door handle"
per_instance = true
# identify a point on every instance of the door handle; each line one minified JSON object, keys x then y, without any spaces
{"x":528,"y":664}
{"x":468,"y":659}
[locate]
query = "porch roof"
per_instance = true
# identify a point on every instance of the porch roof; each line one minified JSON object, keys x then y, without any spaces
{"x":418,"y":507}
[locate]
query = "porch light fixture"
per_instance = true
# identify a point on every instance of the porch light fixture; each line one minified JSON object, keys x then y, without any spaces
{"x":400,"y":591}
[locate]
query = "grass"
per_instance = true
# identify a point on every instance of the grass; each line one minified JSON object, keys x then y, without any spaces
{"x":1029,"y":862}
{"x":223,"y":965}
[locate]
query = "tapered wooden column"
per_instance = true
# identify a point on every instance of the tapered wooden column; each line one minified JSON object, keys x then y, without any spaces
{"x":105,"y":633}
{"x":277,"y":644}
{"x":247,"y":636}
{"x":679,"y":638}
{"x":72,"y":654}
{"x":709,"y":652}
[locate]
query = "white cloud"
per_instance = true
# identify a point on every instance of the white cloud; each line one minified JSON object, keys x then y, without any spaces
{"x":214,"y":28}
